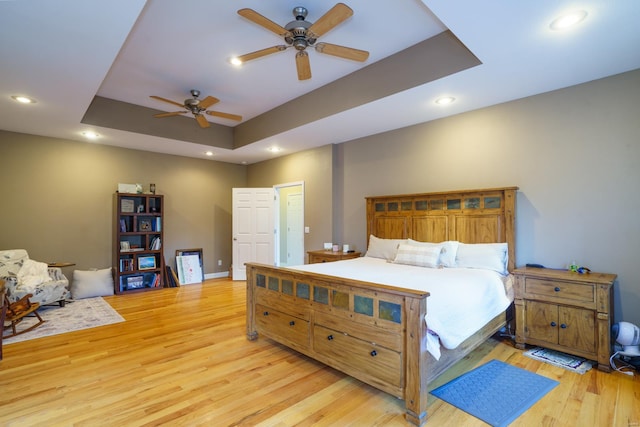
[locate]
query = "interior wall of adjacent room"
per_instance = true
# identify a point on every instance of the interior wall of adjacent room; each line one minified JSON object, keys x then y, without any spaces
{"x":59,"y":199}
{"x":573,"y":152}
{"x":315,"y":168}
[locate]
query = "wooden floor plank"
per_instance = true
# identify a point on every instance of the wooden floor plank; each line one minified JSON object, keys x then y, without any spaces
{"x":181,"y":358}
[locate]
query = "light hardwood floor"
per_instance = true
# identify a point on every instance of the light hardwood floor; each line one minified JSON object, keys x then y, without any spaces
{"x":181,"y":358}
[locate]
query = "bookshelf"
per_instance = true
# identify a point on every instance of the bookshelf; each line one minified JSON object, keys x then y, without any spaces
{"x":138,"y":224}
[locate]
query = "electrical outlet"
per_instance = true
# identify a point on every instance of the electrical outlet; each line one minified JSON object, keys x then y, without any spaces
{"x":219,"y":262}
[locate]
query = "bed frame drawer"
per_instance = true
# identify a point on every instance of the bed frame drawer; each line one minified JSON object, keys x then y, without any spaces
{"x":282,"y":327}
{"x":359,"y":358}
{"x":385,"y":334}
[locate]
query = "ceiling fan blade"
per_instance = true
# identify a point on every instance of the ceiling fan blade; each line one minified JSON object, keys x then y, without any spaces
{"x":202,"y":121}
{"x":303,"y":66}
{"x":333,"y":17}
{"x":255,"y":17}
{"x":224,"y":115}
{"x":342,"y":51}
{"x":175,"y":113}
{"x":260,"y":53}
{"x":208,"y":102}
{"x":159,"y":98}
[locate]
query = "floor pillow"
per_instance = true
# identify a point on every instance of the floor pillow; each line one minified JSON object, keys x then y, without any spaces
{"x":91,"y":283}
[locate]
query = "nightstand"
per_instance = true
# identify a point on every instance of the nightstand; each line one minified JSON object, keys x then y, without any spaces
{"x":330,"y":256}
{"x":565,"y":311}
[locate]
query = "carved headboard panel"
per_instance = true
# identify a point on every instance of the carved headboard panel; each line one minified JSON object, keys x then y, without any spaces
{"x":469,"y":216}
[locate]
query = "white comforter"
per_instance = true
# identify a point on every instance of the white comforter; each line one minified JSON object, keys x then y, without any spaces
{"x":461,"y":301}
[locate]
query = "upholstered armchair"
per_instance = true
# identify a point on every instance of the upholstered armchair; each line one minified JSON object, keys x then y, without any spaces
{"x":24,"y":276}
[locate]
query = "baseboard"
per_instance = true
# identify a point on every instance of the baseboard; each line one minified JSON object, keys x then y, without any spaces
{"x":218,"y":275}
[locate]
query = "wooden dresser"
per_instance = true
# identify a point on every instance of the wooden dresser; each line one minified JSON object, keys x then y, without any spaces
{"x":330,"y":256}
{"x":565,"y":311}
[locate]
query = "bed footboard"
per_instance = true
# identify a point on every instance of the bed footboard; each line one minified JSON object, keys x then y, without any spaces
{"x":372,"y":332}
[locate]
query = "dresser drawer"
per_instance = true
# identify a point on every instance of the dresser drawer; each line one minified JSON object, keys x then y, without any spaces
{"x":583,"y":294}
{"x":282,"y":327}
{"x":359,"y":358}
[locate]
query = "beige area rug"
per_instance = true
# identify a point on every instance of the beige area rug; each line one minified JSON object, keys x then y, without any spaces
{"x":74,"y":316}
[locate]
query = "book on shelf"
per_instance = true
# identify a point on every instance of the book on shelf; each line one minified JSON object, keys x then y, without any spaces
{"x":132,"y":250}
{"x":126,"y":264}
{"x":155,"y":244}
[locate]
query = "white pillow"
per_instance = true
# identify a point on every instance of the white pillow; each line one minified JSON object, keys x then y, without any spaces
{"x":421,"y":256}
{"x":383,"y":248}
{"x":93,"y":283}
{"x":488,"y":256}
{"x":448,"y":254}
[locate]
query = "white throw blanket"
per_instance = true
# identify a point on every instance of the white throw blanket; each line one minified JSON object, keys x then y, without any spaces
{"x":33,"y":273}
{"x":461,"y":301}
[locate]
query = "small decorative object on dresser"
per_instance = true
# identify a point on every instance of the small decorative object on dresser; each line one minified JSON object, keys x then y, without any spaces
{"x":565,"y":311}
{"x":330,"y":255}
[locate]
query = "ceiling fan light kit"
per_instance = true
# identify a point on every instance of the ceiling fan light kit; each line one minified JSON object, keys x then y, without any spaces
{"x":301,"y":34}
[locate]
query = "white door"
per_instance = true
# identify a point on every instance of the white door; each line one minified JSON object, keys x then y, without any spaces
{"x":252,"y":228}
{"x":295,"y":229}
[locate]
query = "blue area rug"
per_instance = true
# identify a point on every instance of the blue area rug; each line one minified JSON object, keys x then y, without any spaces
{"x":495,"y":392}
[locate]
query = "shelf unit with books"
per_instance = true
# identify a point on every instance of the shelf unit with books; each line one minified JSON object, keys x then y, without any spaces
{"x":138,"y":236}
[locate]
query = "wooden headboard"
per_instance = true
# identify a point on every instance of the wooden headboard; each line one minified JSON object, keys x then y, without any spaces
{"x":468,"y":216}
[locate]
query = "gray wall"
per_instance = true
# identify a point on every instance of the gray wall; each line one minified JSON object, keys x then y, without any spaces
{"x":58,"y":199}
{"x":573,"y":153}
{"x":315,"y":168}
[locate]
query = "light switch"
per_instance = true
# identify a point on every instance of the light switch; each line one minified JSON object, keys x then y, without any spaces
{"x":307,"y":230}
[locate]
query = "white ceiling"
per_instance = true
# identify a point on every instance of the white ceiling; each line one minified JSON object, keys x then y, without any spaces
{"x":65,"y":52}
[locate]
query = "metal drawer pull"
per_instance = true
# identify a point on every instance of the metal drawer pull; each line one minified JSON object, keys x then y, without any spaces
{"x":292,"y":323}
{"x":373,"y":353}
{"x":554,"y":324}
{"x":330,"y":337}
{"x":563,"y":326}
{"x":266,"y":313}
{"x":557,"y":289}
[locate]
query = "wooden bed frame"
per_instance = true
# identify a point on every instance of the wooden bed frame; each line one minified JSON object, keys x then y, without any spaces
{"x":373,"y":332}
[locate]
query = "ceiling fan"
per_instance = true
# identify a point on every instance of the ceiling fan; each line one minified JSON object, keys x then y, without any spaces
{"x":197,"y":107}
{"x":301,"y":34}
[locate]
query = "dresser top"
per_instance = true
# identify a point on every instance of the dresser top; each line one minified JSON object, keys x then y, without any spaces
{"x":551,"y":273}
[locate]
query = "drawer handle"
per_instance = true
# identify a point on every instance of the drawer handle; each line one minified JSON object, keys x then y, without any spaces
{"x":373,"y":353}
{"x":324,"y":260}
{"x":292,"y":323}
{"x":557,"y":289}
{"x":563,"y":326}
{"x":554,"y":324}
{"x":266,"y":313}
{"x":330,"y":337}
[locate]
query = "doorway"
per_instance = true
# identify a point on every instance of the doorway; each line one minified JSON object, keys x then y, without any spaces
{"x":289,"y":237}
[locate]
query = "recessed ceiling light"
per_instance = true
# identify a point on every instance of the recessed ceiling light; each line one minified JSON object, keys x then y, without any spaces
{"x":208,"y":153}
{"x":445,"y":100}
{"x":568,"y":20}
{"x":90,"y":135}
{"x":274,"y":149}
{"x":24,"y":99}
